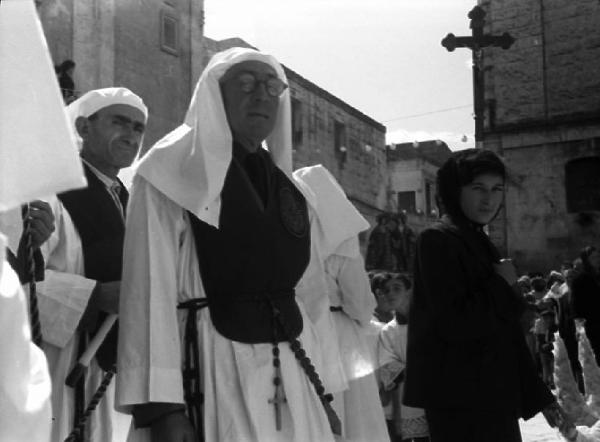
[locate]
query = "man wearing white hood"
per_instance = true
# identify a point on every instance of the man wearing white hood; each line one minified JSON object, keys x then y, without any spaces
{"x":217,"y":221}
{"x":84,"y":259}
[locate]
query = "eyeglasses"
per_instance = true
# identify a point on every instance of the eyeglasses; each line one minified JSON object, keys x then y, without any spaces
{"x":273,"y":85}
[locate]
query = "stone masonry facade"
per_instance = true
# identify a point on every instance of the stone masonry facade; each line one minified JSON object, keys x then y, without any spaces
{"x":543,"y":116}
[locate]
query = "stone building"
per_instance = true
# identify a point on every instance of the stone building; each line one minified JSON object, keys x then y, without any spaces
{"x":412,"y":169}
{"x":152,"y":47}
{"x":543,"y":116}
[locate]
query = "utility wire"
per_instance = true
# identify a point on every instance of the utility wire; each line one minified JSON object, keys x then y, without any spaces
{"x":428,"y":113}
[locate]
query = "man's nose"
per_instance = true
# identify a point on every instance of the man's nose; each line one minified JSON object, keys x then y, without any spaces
{"x":130,"y":134}
{"x":260,"y":91}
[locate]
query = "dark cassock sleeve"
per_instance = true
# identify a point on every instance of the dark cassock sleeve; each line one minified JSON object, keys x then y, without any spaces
{"x":144,"y":415}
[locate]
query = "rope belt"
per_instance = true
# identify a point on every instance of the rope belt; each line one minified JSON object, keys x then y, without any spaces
{"x":309,"y":370}
{"x":191,"y":374}
{"x":191,"y":370}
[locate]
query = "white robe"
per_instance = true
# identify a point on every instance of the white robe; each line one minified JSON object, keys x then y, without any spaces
{"x":24,"y":381}
{"x":62,"y":298}
{"x":409,"y":421}
{"x":359,"y":407}
{"x":161,"y":270}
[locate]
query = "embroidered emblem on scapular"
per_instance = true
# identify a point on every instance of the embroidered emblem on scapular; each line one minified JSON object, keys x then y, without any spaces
{"x":293,"y":212}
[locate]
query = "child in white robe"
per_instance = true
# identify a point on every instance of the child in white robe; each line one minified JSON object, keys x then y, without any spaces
{"x":409,"y":423}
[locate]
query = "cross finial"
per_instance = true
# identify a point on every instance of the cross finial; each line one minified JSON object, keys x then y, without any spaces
{"x":476,"y":42}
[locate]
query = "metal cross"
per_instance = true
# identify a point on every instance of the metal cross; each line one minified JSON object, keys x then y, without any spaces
{"x":476,"y":42}
{"x":278,"y":398}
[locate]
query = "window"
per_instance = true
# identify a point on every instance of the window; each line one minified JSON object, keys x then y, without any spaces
{"x":339,"y":136}
{"x":297,"y":129}
{"x":339,"y":141}
{"x":407,"y":201}
{"x":169,"y":33}
{"x":582,"y":181}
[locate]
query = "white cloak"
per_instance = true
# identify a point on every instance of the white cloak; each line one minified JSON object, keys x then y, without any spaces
{"x":24,"y":382}
{"x":160,"y":270}
{"x":359,"y":407}
{"x":62,"y":299}
{"x":409,"y":421}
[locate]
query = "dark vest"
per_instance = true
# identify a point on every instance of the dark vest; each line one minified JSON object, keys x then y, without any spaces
{"x":102,"y":230}
{"x":252,"y":262}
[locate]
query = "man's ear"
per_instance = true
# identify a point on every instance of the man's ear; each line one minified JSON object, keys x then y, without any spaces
{"x":82,"y":125}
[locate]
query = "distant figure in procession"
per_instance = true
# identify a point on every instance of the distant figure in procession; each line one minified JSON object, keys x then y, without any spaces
{"x":380,"y":255}
{"x":64,"y":73}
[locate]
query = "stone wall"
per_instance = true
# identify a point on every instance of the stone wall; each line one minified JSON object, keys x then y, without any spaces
{"x":543,"y":98}
{"x":361,"y":167}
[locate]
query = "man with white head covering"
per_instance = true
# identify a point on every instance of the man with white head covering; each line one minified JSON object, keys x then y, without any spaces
{"x":84,"y":259}
{"x":216,"y":220}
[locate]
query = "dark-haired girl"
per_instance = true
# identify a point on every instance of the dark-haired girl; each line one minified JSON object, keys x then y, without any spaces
{"x":467,"y":362}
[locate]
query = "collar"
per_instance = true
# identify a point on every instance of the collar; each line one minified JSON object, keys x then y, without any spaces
{"x":240,"y":153}
{"x":106,"y":180}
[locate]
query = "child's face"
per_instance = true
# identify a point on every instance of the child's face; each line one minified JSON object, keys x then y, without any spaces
{"x":397,"y":296}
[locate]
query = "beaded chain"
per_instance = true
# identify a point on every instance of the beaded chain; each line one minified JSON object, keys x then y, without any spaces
{"x":307,"y":366}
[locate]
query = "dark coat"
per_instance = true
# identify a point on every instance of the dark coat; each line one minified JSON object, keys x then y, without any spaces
{"x":585,"y":296}
{"x":466,"y":349}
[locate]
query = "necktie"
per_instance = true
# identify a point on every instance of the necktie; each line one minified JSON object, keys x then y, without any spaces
{"x":115,"y":192}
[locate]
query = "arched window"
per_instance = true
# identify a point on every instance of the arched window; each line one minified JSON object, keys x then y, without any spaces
{"x":582,"y":181}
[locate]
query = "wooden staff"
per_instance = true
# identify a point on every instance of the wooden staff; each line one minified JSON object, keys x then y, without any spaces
{"x":84,"y":360}
{"x":80,"y":369}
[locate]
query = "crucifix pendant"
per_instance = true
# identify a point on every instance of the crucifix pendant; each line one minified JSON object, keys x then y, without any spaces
{"x":277,"y":399}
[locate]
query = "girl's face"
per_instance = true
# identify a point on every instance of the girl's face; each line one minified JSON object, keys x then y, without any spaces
{"x":481,"y":198}
{"x":397,"y":296}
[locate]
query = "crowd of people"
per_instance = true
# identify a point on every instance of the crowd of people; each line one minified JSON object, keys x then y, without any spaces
{"x":245,"y":310}
{"x":391,"y":244}
{"x":555,"y":303}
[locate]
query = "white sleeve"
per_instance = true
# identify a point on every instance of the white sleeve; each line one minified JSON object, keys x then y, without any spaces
{"x":149,"y":353}
{"x":64,"y":294}
{"x":390,"y":362}
{"x":354,"y":291}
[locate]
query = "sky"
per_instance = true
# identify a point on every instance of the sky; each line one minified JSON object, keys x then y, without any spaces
{"x":382,"y":57}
